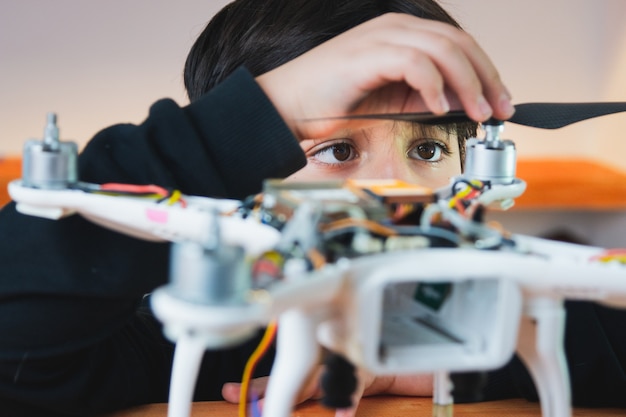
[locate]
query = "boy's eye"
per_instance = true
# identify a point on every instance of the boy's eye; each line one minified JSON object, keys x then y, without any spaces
{"x":430,"y":151}
{"x":338,"y":152}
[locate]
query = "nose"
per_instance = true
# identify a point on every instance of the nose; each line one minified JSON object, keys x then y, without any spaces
{"x":399,"y":167}
{"x":386,"y":167}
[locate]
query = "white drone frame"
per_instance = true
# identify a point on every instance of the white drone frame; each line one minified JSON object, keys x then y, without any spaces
{"x":340,"y":306}
{"x":356,"y":306}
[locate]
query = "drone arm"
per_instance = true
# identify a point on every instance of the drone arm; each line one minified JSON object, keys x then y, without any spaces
{"x":146,"y":219}
{"x":502,"y":194}
{"x":568,"y":271}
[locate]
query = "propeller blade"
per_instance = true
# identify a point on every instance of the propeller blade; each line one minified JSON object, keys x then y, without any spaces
{"x":557,"y":115}
{"x":455,"y":116}
{"x":539,"y":115}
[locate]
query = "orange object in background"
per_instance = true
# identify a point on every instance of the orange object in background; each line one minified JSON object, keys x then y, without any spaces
{"x":10,"y":169}
{"x":570,"y":184}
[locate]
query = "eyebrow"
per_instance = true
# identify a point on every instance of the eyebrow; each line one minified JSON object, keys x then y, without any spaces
{"x":418,"y":130}
{"x":425,"y":129}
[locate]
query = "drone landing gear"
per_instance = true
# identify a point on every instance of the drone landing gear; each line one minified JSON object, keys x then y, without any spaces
{"x":540,"y":346}
{"x":296,"y":356}
{"x":443,"y":402}
{"x":187,"y":358}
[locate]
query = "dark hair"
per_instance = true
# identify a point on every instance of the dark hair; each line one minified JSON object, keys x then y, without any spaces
{"x":264,"y":34}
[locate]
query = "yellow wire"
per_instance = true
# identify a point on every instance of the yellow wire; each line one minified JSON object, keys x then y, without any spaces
{"x":264,"y":344}
{"x":116,"y":194}
{"x":176,"y":195}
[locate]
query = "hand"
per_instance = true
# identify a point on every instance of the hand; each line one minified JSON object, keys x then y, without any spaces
{"x":231,"y":391}
{"x":404,"y":385}
{"x":369,"y":385}
{"x":395,"y":62}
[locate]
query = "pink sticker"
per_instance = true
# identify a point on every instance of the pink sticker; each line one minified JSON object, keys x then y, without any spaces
{"x":156,"y":216}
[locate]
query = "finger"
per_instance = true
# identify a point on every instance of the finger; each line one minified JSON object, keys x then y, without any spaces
{"x":346,"y":412}
{"x":493,"y":88}
{"x":436,"y":53}
{"x":232,"y":390}
{"x":312,"y":388}
{"x":429,"y":63}
{"x":412,"y":385}
{"x":415,"y":68}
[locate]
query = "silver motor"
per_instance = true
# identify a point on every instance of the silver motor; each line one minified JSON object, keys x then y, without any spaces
{"x":491,"y":159}
{"x":50,"y":163}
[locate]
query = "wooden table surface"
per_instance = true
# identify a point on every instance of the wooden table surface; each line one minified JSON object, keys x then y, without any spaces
{"x":380,"y":407}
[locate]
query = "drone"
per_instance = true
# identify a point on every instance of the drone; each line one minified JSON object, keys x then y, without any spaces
{"x":381,"y":275}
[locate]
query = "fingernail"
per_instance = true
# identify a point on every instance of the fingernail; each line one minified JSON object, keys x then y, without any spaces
{"x":484,"y":107}
{"x":444,"y":105}
{"x":505,"y":105}
{"x":507,"y":93}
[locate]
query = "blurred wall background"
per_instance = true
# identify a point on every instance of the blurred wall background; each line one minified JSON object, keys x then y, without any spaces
{"x":96,"y":63}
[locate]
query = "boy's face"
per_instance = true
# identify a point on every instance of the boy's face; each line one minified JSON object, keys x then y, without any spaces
{"x":419,"y":154}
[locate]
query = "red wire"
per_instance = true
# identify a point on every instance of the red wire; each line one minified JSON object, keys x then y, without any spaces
{"x":135,"y":189}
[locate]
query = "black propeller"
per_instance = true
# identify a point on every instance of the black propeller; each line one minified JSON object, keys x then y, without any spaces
{"x":539,"y":115}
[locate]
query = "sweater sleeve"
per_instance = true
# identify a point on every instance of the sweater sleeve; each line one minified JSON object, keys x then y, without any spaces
{"x":75,"y":340}
{"x":223,"y":145}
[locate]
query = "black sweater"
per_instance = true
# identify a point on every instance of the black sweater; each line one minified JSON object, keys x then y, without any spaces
{"x":77,"y":335}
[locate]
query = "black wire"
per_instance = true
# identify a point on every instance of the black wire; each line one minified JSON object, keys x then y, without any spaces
{"x":474,"y":186}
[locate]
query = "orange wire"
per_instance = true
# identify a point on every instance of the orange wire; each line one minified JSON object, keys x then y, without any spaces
{"x":174,"y":197}
{"x":264,"y":344}
{"x":364,"y":223}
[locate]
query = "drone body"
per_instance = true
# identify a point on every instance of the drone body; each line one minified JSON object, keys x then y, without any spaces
{"x":392,"y":277}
